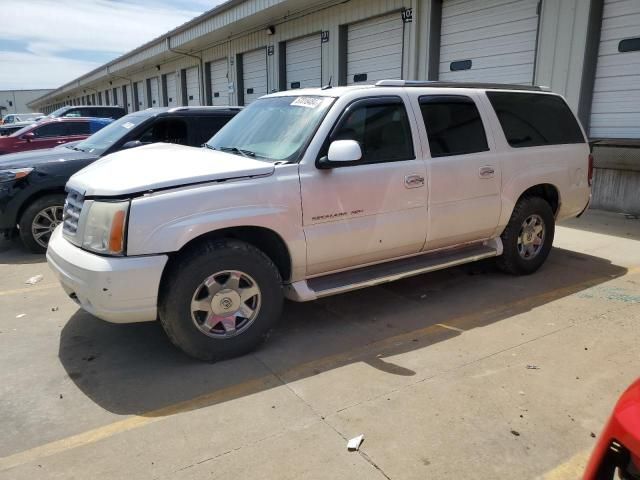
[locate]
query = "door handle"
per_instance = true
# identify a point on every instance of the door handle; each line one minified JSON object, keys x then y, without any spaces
{"x":413,"y":181}
{"x":487,"y":172}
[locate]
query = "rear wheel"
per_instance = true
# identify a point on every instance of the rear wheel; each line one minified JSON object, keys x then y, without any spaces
{"x":220,"y":299}
{"x":528,"y":237}
{"x":39,"y":220}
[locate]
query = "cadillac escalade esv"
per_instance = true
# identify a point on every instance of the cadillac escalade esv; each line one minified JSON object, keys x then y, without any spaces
{"x":310,"y":193}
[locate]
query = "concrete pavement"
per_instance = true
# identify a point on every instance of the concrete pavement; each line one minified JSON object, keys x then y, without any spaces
{"x":433,"y":370}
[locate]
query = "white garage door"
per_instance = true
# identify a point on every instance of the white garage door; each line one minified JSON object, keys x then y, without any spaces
{"x":219,"y":82}
{"x":254,"y":74}
{"x":615,"y":111}
{"x":139,"y":96}
{"x":374,"y":49}
{"x":488,"y":41}
{"x":193,"y":86}
{"x":172,"y":90}
{"x":304,"y":62}
{"x":155,"y":92}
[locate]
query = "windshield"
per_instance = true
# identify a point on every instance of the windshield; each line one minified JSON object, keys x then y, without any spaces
{"x":273,"y":129}
{"x":102,"y":140}
{"x":58,"y":112}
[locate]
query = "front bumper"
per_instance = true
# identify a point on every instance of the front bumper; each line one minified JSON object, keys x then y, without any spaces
{"x":115,"y":289}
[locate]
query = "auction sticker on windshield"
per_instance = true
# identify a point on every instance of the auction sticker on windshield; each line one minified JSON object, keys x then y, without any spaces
{"x":308,"y":102}
{"x":128,"y":125}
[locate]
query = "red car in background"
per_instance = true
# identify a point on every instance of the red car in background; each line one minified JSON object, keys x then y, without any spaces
{"x":51,"y":133}
{"x":618,"y":449}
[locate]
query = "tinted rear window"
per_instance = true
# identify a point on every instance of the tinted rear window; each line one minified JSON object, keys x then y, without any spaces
{"x":530,"y":119}
{"x":453,"y":124}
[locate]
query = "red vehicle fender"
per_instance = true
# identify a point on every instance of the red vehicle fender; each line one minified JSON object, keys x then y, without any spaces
{"x":623,"y":428}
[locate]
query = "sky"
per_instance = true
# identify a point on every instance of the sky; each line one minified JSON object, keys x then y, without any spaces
{"x":46,"y":43}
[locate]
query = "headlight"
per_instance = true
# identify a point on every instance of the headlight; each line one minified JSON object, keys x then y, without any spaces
{"x":104,"y":229}
{"x":14,"y":174}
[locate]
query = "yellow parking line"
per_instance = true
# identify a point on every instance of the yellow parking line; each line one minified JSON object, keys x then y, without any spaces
{"x":270,"y":381}
{"x":571,"y":469}
{"x":109,"y":430}
{"x":35,"y":288}
{"x":455,"y":329}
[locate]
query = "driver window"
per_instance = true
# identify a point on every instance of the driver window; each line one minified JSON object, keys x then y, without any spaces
{"x":381,"y":129}
{"x":168,"y":130}
{"x":56,"y":129}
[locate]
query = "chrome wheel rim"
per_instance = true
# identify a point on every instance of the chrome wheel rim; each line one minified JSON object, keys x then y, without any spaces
{"x":531,"y":237}
{"x":44,"y":223}
{"x":226,"y":304}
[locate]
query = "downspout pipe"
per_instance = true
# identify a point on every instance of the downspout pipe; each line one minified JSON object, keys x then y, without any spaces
{"x":200,"y":62}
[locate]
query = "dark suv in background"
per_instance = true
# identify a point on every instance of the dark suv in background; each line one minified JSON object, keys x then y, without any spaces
{"x":32,"y":184}
{"x":100,"y":111}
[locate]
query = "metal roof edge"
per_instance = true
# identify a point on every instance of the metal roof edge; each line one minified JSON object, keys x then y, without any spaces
{"x":162,"y":38}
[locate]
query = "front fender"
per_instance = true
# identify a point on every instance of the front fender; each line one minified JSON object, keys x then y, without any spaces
{"x":166,"y":221}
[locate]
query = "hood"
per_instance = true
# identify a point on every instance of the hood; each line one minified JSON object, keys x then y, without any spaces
{"x":33,"y":158}
{"x":159,"y":166}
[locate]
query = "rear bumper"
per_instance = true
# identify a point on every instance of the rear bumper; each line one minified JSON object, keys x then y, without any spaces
{"x":115,"y":289}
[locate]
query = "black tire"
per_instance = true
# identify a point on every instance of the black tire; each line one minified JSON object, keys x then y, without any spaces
{"x":29,"y":215}
{"x":511,"y":261}
{"x":187,"y":272}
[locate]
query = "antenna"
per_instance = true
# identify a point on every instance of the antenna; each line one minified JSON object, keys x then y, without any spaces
{"x":328,"y":86}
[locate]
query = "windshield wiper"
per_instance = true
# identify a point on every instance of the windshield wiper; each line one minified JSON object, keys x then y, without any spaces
{"x":243,"y":152}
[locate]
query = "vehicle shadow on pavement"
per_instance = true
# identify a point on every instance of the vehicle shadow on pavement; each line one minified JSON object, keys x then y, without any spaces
{"x":12,"y":252}
{"x":607,"y":223}
{"x":134,"y":369}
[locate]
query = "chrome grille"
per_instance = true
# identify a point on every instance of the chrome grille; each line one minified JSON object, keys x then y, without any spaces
{"x":71,"y":213}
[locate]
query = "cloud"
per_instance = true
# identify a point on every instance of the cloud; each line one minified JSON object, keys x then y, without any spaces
{"x":96,"y":25}
{"x":27,"y":70}
{"x":62,"y":39}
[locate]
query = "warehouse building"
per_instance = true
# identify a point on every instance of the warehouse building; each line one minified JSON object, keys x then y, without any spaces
{"x":17,"y":101}
{"x":587,"y":50}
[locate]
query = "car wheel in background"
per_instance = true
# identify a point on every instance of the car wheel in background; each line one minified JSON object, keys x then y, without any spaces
{"x":39,"y":220}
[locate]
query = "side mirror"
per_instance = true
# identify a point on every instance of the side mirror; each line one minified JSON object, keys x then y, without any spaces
{"x":28,"y":136}
{"x":131,"y":144}
{"x":341,"y":153}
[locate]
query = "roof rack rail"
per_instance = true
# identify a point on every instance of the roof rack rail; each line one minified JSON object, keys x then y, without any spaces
{"x":439,"y":84}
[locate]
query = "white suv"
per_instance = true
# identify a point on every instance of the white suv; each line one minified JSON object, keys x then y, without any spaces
{"x":310,"y":193}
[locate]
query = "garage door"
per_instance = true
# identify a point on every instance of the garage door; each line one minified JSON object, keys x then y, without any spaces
{"x":172,"y":90}
{"x":154,"y":89}
{"x":139,"y":96}
{"x":219,"y":82}
{"x":488,"y":40}
{"x":615,"y":111}
{"x":193,"y":86}
{"x":374,"y":49}
{"x":304,"y":62}
{"x":254,"y":75}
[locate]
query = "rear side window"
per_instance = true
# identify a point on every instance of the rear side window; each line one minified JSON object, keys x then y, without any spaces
{"x":453,"y":124}
{"x":531,"y":120}
{"x":78,"y":128}
{"x":381,"y":128}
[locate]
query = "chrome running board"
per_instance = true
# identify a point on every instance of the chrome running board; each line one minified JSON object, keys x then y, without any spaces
{"x":341,"y":282}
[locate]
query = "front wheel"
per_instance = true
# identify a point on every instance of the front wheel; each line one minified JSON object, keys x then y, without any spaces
{"x":39,"y":220}
{"x":220,"y":299}
{"x":528,"y":237}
